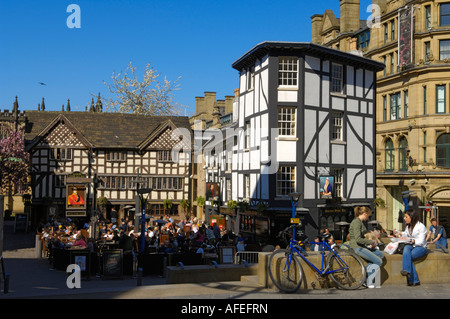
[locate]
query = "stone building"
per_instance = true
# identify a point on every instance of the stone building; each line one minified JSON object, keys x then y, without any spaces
{"x":412,"y":38}
{"x":210,"y":115}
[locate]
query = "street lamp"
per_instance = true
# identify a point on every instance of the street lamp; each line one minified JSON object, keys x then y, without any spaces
{"x":294,"y":197}
{"x":143,"y":200}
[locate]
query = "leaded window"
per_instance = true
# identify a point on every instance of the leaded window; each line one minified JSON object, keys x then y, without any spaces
{"x":288,"y":72}
{"x":285,"y":180}
{"x":286,"y":121}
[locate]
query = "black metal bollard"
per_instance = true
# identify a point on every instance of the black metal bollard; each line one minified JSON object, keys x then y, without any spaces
{"x":139,"y":276}
{"x":6,"y":286}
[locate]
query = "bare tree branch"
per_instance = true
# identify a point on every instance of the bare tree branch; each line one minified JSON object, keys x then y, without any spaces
{"x":149,"y":97}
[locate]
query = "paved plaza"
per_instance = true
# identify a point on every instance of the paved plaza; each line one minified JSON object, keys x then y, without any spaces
{"x":32,"y":278}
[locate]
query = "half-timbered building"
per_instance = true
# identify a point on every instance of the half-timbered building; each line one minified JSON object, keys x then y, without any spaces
{"x":304,"y":113}
{"x":115,"y":154}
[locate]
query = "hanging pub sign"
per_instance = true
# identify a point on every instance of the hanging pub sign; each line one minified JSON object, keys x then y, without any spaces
{"x":76,"y":200}
{"x":212,"y":192}
{"x":76,"y":195}
{"x":326,"y":186}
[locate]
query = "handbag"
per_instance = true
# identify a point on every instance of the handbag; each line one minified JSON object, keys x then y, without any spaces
{"x":391,"y":248}
{"x":400,"y":248}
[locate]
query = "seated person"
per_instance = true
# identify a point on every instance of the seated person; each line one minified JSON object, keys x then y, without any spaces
{"x":201,"y":250}
{"x":166,"y":248}
{"x":125,"y":242}
{"x":108,"y":236}
{"x":331,"y":243}
{"x":210,"y":234}
{"x":316,"y":247}
{"x":438,"y":235}
{"x":79,"y":242}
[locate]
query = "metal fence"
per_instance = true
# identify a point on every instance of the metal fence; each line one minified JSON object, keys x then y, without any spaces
{"x":251,"y":257}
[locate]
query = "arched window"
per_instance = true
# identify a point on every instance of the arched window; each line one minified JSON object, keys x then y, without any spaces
{"x":402,"y":155}
{"x":443,"y":150}
{"x":389,"y":155}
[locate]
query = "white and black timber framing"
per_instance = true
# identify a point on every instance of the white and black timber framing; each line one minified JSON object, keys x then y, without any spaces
{"x":119,"y":145}
{"x":313,"y":150}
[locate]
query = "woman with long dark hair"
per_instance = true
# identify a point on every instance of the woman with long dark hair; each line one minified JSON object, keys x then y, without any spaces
{"x":416,"y":232}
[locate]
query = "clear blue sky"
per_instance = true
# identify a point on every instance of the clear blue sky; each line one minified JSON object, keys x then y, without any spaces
{"x":197,"y":40}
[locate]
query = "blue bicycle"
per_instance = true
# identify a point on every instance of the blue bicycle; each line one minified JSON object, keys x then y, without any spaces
{"x":345,"y":268}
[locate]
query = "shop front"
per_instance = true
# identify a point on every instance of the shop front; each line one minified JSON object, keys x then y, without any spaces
{"x":337,"y":219}
{"x":253,"y":227}
{"x":440,"y":198}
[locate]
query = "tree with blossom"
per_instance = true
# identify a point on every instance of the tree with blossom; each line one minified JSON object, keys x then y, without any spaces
{"x":14,"y":161}
{"x":149,"y":96}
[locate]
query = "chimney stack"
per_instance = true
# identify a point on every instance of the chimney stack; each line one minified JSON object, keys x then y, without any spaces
{"x":316,"y":24}
{"x":349,"y":20}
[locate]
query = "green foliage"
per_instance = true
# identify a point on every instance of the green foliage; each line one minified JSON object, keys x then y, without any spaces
{"x":167,"y":203}
{"x":261,"y":208}
{"x":185,"y":204}
{"x":102,"y":201}
{"x":231,"y":204}
{"x":243,"y":206}
{"x":200,"y":201}
{"x":379,"y":202}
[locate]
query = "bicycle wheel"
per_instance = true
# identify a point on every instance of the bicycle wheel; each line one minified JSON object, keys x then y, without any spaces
{"x":285,"y":271}
{"x":350,"y":278}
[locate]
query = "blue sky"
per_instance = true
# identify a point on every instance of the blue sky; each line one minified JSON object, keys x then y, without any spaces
{"x":195,"y":40}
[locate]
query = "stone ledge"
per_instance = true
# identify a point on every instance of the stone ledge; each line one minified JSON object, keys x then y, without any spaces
{"x":431,"y":269}
{"x":208,"y":273}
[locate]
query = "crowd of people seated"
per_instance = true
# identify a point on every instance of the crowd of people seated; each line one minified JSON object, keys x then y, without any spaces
{"x":66,"y":234}
{"x":185,"y":236}
{"x":161,"y":236}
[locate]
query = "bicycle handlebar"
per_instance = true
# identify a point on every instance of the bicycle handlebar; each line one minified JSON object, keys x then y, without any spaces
{"x":286,"y":236}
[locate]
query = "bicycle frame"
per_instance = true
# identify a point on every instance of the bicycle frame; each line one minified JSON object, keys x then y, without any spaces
{"x":325,"y":247}
{"x":323,"y":271}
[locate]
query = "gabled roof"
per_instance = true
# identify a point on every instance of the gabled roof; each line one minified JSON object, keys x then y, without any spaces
{"x":165,"y":137}
{"x":330,"y":22}
{"x":101,"y":130}
{"x":57,"y":120}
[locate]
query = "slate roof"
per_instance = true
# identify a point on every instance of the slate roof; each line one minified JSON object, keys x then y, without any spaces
{"x":102,"y":130}
{"x":289,"y":48}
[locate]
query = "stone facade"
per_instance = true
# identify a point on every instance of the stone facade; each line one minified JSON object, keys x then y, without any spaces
{"x":412,"y":100}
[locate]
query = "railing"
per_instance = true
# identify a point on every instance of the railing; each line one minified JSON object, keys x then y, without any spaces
{"x":251,"y":257}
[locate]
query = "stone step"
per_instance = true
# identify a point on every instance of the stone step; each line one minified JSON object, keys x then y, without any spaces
{"x":250,"y":279}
